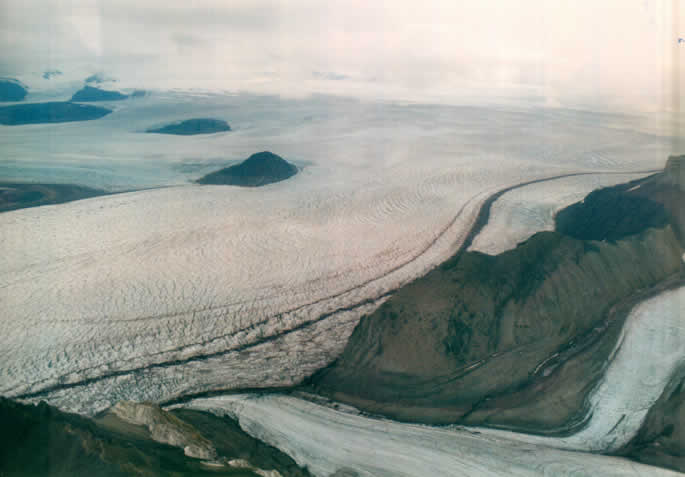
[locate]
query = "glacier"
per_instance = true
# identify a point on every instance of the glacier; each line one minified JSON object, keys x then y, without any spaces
{"x":326,"y":438}
{"x":173,"y":289}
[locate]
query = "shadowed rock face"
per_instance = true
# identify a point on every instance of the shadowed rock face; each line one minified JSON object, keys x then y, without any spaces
{"x":41,"y":440}
{"x":11,"y":90}
{"x":610,"y":214}
{"x":88,"y":94}
{"x":515,"y":340}
{"x":191,"y":127}
{"x":259,"y":169}
{"x":53,"y":112}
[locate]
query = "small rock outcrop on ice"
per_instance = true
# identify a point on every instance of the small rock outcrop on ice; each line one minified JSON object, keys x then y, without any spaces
{"x":259,"y":169}
{"x":190,"y":127}
{"x":12,"y":90}
{"x":88,"y":94}
{"x":51,"y":112}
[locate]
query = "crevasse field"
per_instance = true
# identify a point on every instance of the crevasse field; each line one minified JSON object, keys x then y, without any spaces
{"x":176,"y":289}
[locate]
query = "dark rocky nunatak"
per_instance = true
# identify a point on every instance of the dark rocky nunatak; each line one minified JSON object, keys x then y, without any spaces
{"x":194,"y":126}
{"x":259,"y":169}
{"x":88,"y":94}
{"x":12,"y":90}
{"x":53,"y":112}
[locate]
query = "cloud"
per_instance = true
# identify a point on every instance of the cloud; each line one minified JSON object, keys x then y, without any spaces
{"x":616,"y":53}
{"x":329,"y":75}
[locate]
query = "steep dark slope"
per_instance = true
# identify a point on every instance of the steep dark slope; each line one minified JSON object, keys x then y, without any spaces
{"x":259,"y":169}
{"x":515,"y":340}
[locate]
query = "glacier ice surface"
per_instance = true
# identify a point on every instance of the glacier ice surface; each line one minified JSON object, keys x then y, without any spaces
{"x":182,"y":289}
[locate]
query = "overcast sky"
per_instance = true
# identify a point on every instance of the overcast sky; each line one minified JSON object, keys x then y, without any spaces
{"x":606,"y":54}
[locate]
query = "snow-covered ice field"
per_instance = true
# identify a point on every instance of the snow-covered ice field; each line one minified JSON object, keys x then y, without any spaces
{"x":161,"y":293}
